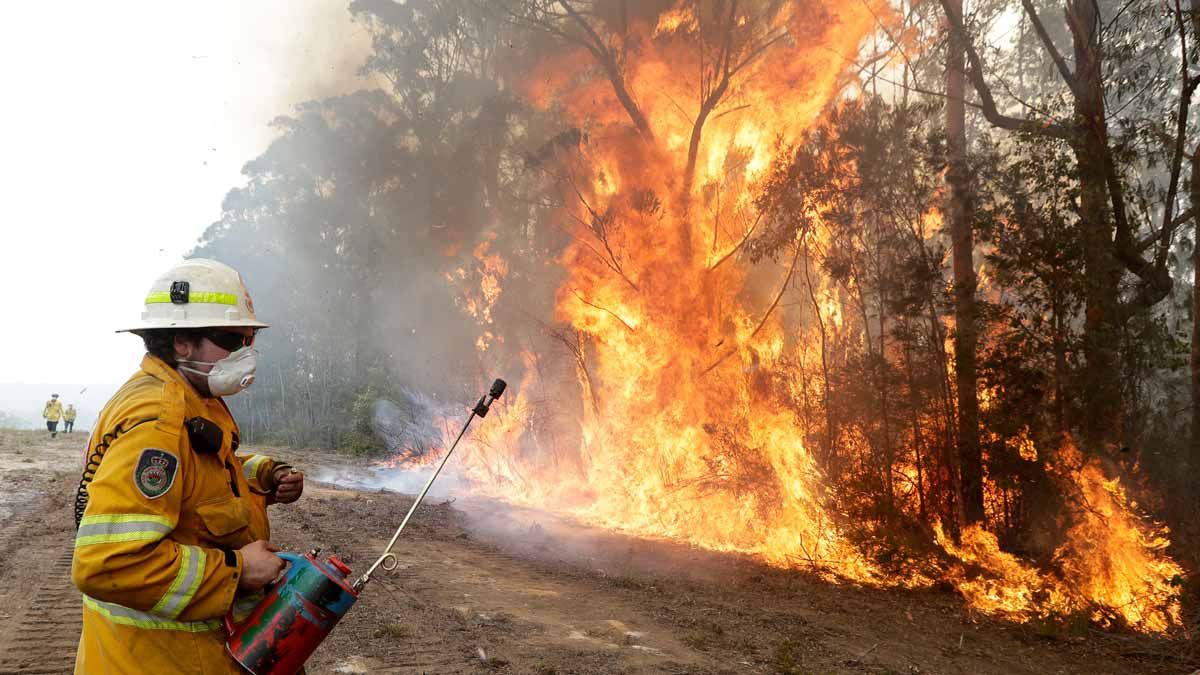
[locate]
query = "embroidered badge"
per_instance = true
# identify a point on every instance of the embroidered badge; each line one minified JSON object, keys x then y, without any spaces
{"x":155,"y":472}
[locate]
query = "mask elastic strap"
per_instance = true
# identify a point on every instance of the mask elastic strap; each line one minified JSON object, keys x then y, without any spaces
{"x":193,"y":370}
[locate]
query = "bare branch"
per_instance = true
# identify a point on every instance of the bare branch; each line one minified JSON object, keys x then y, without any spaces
{"x":775,"y":303}
{"x":988,"y":102}
{"x":734,"y":109}
{"x":545,"y":20}
{"x":610,"y":260}
{"x":741,"y":243}
{"x":1148,"y":240}
{"x":1187,"y":89}
{"x":1059,"y":61}
{"x":607,"y":60}
{"x":603,"y":309}
{"x":757,"y":52}
{"x":575,"y":345}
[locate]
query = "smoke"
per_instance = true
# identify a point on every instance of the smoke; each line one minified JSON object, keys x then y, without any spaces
{"x":377,"y":232}
{"x":413,"y":431}
{"x":401,"y":479}
{"x":406,"y":428}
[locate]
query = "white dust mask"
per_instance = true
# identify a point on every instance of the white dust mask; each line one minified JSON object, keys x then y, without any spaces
{"x":229,"y":375}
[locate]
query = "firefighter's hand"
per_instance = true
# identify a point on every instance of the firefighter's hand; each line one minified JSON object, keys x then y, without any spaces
{"x":289,"y":485}
{"x":260,"y":565}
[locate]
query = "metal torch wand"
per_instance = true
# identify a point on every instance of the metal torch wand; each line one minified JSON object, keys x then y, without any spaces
{"x":481,"y":409}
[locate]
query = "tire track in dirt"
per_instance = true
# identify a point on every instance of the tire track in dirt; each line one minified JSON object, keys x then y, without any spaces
{"x":40,"y":610}
{"x":46,"y":635}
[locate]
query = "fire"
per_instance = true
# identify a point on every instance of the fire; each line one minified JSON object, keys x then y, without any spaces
{"x":1110,"y":567}
{"x":480,"y":285}
{"x":1025,"y":446}
{"x":999,"y":583}
{"x":1114,"y":557}
{"x":680,"y":17}
{"x":686,"y":364}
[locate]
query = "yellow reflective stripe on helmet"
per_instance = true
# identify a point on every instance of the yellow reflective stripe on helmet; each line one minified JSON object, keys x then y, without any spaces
{"x":119,"y":527}
{"x":250,"y":468}
{"x":187,"y":580}
{"x":131,"y":617}
{"x":164,"y":297}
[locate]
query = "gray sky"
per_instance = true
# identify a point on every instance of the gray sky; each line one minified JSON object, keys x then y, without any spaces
{"x":124,"y":124}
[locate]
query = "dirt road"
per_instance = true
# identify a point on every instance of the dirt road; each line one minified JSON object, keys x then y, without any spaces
{"x":485,"y":589}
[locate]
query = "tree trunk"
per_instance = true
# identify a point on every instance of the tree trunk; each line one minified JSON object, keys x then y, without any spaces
{"x":1058,"y":321}
{"x":970,"y":456}
{"x":1195,"y":364}
{"x":828,"y":454}
{"x":918,"y":444}
{"x":1101,"y":423}
{"x":689,"y":179}
{"x":889,"y":451}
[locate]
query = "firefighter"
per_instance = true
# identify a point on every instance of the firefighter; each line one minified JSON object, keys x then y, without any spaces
{"x":69,"y":418}
{"x":172,"y":530}
{"x":52,"y":411}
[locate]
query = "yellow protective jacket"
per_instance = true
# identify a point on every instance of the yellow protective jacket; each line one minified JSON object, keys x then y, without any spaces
{"x":53,"y":410}
{"x":156,"y":551}
{"x":69,"y":415}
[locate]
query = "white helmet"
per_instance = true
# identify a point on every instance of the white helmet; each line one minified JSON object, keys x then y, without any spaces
{"x":198,"y":293}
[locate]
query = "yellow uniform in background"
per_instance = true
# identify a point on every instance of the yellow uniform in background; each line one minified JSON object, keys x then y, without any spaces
{"x":156,"y":551}
{"x":53,"y":410}
{"x":69,"y":418}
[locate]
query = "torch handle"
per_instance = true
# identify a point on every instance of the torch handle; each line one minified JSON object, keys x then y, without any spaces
{"x":232,"y":625}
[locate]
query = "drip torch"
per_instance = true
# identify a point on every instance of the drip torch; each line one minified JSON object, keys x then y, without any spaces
{"x":300,"y":609}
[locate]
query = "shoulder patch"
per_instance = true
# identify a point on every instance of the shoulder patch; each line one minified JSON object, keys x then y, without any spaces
{"x":155,"y":472}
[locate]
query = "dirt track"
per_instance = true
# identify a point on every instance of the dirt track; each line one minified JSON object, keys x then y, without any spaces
{"x":483,"y":589}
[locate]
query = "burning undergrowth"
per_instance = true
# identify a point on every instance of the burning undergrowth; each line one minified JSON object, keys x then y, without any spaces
{"x":1111,"y":566}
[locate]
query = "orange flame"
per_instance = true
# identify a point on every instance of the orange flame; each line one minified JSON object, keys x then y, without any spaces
{"x":1111,"y":565}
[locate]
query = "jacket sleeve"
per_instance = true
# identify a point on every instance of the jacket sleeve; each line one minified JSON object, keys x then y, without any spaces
{"x":124,"y":553}
{"x":259,"y":471}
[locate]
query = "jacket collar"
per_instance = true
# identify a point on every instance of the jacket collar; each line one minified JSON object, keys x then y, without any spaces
{"x":173,"y":379}
{"x":193,"y":403}
{"x":159,"y":370}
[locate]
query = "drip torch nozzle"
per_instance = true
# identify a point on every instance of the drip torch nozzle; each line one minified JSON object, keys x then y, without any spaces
{"x":497,"y":388}
{"x":485,"y":402}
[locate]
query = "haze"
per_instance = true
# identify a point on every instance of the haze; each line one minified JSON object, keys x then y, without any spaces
{"x":125,"y":125}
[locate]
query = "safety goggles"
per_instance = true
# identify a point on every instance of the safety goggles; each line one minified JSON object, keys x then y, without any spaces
{"x":228,"y":340}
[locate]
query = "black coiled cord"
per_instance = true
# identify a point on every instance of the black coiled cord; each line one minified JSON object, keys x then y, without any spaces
{"x":93,"y":465}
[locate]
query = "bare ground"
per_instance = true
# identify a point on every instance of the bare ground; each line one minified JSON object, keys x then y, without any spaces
{"x":483,"y":588}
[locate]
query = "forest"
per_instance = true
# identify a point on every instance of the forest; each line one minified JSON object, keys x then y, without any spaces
{"x":900,"y":293}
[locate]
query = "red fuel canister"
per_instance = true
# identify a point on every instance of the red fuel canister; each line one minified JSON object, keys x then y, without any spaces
{"x":294,"y":616}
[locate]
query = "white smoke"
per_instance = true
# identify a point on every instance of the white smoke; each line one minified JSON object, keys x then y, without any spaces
{"x":409,"y":429}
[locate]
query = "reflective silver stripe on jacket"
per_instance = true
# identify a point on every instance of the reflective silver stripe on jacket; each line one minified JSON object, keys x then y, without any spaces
{"x":125,"y":616}
{"x":192,"y":561}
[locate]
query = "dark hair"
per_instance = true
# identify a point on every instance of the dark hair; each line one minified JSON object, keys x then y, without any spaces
{"x":160,"y":342}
